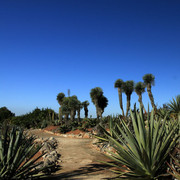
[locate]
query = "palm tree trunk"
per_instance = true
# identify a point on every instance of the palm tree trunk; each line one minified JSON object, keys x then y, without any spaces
{"x":97,"y":108}
{"x":78,"y":115}
{"x":120,"y":100}
{"x":140,"y":102}
{"x":151,"y":96}
{"x":128,"y":104}
{"x":66,"y":119}
{"x":86,"y":112}
{"x":60,"y":115}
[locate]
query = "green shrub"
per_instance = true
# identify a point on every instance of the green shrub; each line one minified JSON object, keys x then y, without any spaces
{"x":88,"y":123}
{"x":16,"y":155}
{"x":36,"y":119}
{"x":5,"y":114}
{"x":64,"y":129}
{"x":144,"y":150}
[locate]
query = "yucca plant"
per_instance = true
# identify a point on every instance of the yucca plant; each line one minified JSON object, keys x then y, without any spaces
{"x":16,"y":155}
{"x":141,"y":153}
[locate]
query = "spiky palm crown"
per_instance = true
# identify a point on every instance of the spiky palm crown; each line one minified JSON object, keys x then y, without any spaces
{"x":60,"y":97}
{"x":139,"y":88}
{"x":118,"y":83}
{"x":148,"y":79}
{"x":85,"y":103}
{"x":95,"y":93}
{"x":128,"y":87}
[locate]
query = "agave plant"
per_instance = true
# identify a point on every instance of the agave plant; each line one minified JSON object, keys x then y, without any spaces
{"x":174,"y":106}
{"x":17,"y":155}
{"x":141,"y":153}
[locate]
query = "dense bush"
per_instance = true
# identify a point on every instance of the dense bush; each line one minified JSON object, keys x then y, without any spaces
{"x":35,"y":119}
{"x":5,"y":114}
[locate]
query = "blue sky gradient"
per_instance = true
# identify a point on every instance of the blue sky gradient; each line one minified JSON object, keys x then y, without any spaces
{"x":47,"y":47}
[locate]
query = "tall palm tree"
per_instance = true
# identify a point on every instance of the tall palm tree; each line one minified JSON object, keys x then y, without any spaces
{"x":128,"y":88}
{"x":60,"y":98}
{"x":65,"y":109}
{"x":139,"y":89}
{"x":85,"y":105}
{"x":73,"y":106}
{"x":95,"y":94}
{"x":119,"y":84}
{"x":149,"y":82}
{"x":79,"y":107}
{"x":102,"y":103}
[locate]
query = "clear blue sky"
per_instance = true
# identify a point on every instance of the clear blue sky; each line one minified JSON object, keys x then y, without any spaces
{"x":50,"y":46}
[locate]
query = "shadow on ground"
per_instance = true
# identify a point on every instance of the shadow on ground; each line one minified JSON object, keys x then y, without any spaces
{"x":90,"y":170}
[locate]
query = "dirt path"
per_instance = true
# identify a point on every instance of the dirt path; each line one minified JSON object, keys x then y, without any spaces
{"x":79,"y":159}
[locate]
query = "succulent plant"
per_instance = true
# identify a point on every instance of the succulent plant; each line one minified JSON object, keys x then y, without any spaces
{"x":141,"y":153}
{"x":17,"y":153}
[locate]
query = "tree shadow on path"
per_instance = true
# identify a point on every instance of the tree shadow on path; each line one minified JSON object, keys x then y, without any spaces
{"x":89,"y":170}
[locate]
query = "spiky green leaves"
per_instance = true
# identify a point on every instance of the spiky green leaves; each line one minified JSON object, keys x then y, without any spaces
{"x":174,"y":105}
{"x":144,"y":150}
{"x":16,"y":155}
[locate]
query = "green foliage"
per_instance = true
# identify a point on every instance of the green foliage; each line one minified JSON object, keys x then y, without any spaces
{"x":174,"y":106}
{"x":119,"y":83}
{"x":5,"y":114}
{"x":64,"y":129}
{"x":139,"y":88}
{"x":96,"y":93}
{"x":35,"y":119}
{"x":148,"y":79}
{"x":60,"y":97}
{"x":99,"y":100}
{"x":102,"y":102}
{"x":144,"y":149}
{"x":16,"y":155}
{"x":89,"y":123}
{"x":128,"y":87}
{"x":85,"y":103}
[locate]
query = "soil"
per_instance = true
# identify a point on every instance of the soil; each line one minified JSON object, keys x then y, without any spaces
{"x":79,"y":159}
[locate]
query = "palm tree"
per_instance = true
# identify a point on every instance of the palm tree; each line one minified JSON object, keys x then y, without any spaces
{"x":139,"y":89}
{"x":79,"y":107}
{"x":95,"y":94}
{"x":73,"y":106}
{"x":85,"y":105}
{"x":60,"y":98}
{"x":65,"y":109}
{"x":102,"y":103}
{"x":119,"y":84}
{"x":128,"y":88}
{"x":149,"y":82}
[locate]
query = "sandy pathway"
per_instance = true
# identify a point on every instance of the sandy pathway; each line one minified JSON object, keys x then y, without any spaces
{"x":79,"y":159}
